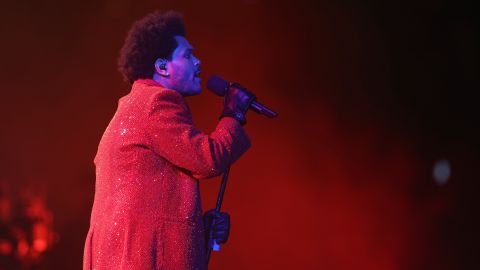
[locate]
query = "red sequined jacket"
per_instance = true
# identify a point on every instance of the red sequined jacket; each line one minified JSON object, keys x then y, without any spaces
{"x":147,"y":211}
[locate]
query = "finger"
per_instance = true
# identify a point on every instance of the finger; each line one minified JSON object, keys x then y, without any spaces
{"x":221,"y":237}
{"x":221,"y":224}
{"x":222,"y":216}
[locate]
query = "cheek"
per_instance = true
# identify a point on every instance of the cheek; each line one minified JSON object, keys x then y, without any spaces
{"x":182,"y":72}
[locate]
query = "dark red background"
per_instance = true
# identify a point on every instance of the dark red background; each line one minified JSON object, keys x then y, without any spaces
{"x":369,"y":94}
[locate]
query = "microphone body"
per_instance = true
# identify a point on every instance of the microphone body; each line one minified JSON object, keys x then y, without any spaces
{"x":219,"y":86}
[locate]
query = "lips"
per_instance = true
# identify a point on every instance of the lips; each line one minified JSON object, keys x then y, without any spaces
{"x":197,"y":74}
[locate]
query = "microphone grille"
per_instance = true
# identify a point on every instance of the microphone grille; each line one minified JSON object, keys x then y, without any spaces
{"x":217,"y":85}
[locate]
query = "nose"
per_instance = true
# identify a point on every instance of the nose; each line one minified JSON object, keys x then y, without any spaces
{"x":197,"y":62}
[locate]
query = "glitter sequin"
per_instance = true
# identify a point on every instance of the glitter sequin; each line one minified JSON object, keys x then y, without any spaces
{"x":147,"y":211}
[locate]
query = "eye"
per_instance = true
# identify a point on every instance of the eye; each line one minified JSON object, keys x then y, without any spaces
{"x":188,"y":55}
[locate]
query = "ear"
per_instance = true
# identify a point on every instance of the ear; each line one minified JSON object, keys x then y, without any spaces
{"x":161,"y":67}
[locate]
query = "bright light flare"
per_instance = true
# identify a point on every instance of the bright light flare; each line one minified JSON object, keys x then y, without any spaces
{"x":442,"y":172}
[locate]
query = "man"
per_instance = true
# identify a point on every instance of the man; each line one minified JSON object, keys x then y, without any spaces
{"x":147,"y":211}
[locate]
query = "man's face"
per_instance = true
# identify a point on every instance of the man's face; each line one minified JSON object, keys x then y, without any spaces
{"x":184,"y":69}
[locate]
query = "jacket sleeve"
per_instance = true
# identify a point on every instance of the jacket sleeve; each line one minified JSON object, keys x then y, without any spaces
{"x":172,"y":135}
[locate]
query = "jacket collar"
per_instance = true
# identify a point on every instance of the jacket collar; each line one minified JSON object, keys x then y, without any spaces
{"x":147,"y":82}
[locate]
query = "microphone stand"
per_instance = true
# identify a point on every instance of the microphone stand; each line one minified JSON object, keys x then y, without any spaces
{"x":212,"y":244}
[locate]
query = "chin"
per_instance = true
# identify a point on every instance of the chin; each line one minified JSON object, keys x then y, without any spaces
{"x":196,"y":92}
{"x":196,"y":89}
{"x":193,"y":92}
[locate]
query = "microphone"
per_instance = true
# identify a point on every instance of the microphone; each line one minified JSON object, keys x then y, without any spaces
{"x":219,"y":86}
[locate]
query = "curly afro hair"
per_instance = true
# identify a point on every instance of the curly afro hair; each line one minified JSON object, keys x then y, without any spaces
{"x":150,"y":38}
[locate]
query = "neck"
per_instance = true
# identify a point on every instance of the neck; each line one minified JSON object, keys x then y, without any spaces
{"x":163,"y":81}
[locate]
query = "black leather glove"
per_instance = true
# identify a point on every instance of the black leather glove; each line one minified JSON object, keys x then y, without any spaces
{"x":221,"y":227}
{"x":236,"y":103}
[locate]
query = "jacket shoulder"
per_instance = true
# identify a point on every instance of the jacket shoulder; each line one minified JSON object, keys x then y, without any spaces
{"x":163,"y":102}
{"x":153,"y":93}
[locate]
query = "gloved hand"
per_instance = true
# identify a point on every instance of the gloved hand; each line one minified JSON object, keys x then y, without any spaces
{"x":236,"y":103}
{"x":221,"y":227}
